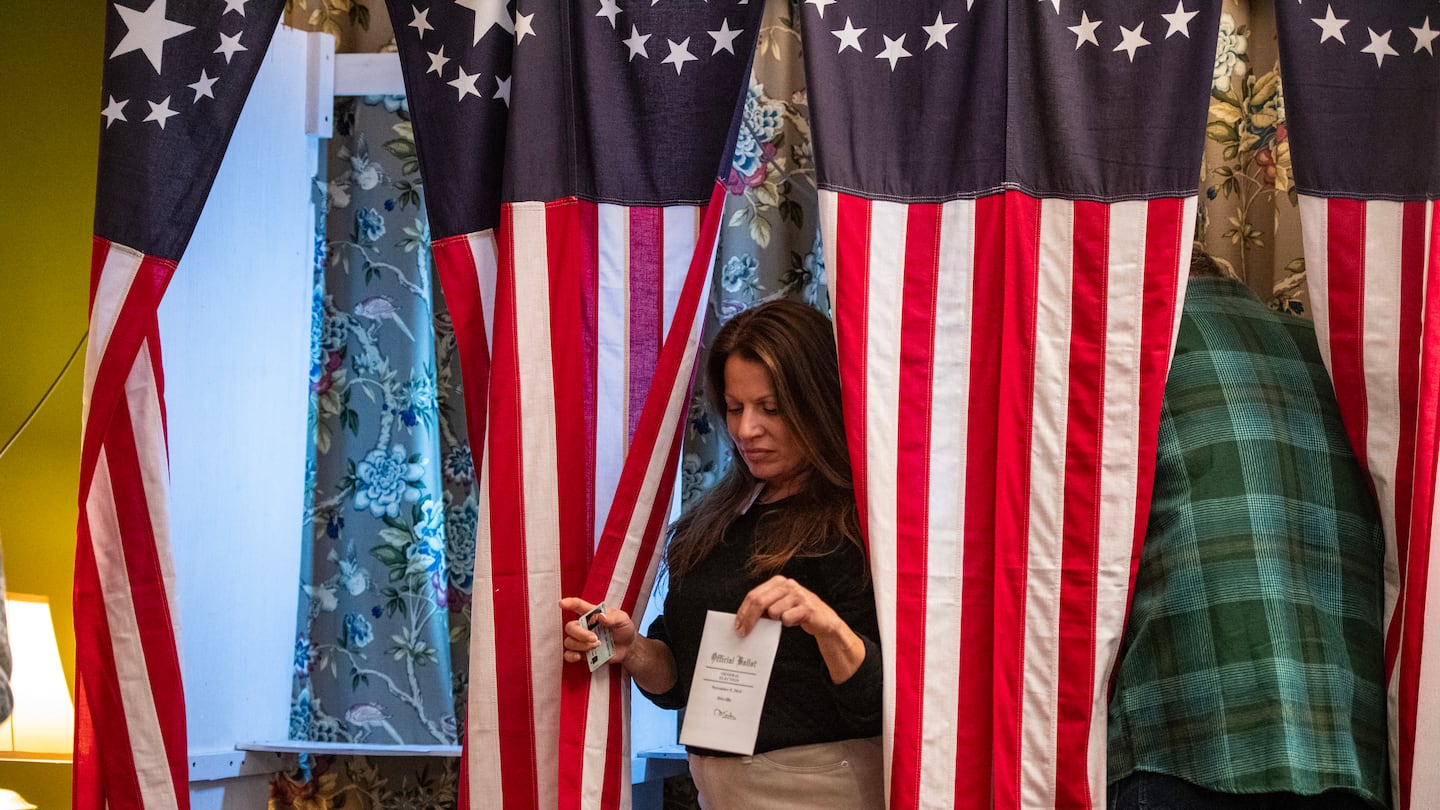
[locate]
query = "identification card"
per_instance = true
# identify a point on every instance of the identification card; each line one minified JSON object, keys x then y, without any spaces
{"x":732,"y":675}
{"x":598,"y":657}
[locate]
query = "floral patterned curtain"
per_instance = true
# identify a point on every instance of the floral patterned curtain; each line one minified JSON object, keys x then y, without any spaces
{"x":388,"y":537}
{"x":1248,"y":217}
{"x":388,"y":534}
{"x":373,"y":648}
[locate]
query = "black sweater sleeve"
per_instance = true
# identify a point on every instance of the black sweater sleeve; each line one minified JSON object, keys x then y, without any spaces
{"x":843,"y":580}
{"x":849,"y":593}
{"x":679,"y":694}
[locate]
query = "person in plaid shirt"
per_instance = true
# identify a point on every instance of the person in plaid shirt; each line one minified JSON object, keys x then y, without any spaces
{"x":1252,"y":670}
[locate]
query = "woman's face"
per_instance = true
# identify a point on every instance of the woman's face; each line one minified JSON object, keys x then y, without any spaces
{"x":765,"y":442}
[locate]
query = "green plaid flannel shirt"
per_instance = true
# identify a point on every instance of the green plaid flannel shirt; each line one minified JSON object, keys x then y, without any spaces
{"x":1253,"y":659}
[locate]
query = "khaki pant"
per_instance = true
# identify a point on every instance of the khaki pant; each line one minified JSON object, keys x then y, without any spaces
{"x":845,"y":775}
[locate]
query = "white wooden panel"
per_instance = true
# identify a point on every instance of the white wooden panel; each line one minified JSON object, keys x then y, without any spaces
{"x":320,"y":85}
{"x":368,"y":74}
{"x":226,"y":765}
{"x":235,"y":329}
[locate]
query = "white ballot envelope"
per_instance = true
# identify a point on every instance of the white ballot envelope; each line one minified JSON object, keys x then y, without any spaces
{"x":728,"y":691}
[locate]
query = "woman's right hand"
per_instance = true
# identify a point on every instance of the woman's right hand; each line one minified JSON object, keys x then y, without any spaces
{"x":578,"y":640}
{"x":648,"y":661}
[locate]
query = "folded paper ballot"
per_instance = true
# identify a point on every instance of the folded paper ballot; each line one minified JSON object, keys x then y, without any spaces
{"x":732,"y":675}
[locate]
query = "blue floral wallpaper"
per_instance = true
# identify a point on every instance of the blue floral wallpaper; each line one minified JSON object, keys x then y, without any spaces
{"x":389,"y":529}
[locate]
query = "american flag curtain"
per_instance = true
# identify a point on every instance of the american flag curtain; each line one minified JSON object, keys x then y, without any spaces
{"x":1362,"y":95}
{"x":1008,"y":199}
{"x":584,"y":278}
{"x":176,"y":76}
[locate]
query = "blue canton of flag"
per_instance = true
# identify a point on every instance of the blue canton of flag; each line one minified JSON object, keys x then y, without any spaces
{"x":176,"y":76}
{"x":626,"y":102}
{"x":456,"y":56}
{"x":1362,"y":95}
{"x":1090,"y":100}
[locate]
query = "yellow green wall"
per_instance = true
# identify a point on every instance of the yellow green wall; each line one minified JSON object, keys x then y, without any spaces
{"x":51,"y":56}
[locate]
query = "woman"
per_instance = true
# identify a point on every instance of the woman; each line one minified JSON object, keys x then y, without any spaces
{"x":778,"y":538}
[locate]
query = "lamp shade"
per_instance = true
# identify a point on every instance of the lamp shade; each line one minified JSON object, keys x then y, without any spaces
{"x":10,"y":800}
{"x":43,"y":722}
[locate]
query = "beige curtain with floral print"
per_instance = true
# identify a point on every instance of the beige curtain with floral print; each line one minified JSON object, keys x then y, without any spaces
{"x":1248,"y":217}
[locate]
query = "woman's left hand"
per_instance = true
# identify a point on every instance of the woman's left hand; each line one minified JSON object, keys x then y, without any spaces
{"x":792,"y":604}
{"x":789,"y":603}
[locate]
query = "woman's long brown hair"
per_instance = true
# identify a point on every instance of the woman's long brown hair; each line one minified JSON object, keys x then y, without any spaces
{"x":796,"y":346}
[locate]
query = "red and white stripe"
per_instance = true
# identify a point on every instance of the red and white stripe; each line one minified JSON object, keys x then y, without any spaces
{"x":597,"y":321}
{"x":1003,"y":361}
{"x":130,"y":721}
{"x":1371,"y":267}
{"x":467,"y":265}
